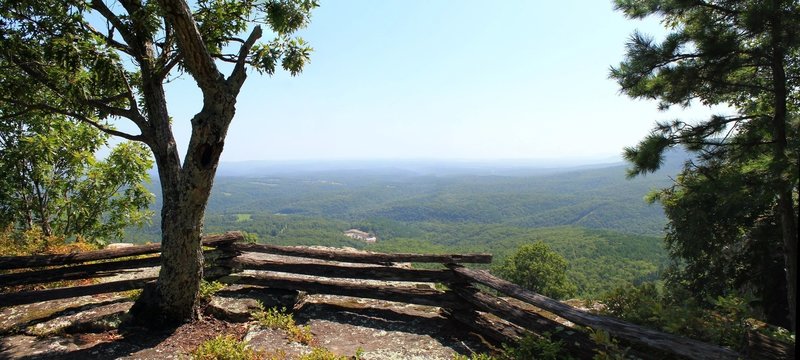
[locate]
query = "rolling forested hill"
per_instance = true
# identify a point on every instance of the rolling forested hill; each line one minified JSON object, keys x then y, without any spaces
{"x":593,"y":216}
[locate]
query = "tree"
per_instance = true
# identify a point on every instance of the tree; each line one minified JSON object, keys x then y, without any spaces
{"x":744,"y":55}
{"x":99,"y":62}
{"x":51,"y":179}
{"x":732,"y":209}
{"x":539,"y":269}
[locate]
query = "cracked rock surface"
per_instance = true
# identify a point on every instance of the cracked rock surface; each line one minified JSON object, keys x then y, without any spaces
{"x":87,"y":328}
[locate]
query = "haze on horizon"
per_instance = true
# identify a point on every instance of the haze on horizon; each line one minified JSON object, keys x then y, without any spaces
{"x":446,"y":80}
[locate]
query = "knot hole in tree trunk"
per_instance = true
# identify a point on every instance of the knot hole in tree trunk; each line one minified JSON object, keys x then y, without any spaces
{"x":208,"y":153}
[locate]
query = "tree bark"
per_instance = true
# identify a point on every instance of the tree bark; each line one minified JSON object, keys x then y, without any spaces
{"x":185,"y":187}
{"x":781,"y":167}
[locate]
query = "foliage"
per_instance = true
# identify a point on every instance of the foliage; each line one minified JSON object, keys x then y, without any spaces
{"x":675,"y":311}
{"x":274,"y":318}
{"x":209,"y":288}
{"x":535,"y":347}
{"x":739,"y":55}
{"x":775,"y":332}
{"x":224,"y":347}
{"x":132,"y":294}
{"x":301,"y":334}
{"x":539,"y":269}
{"x":479,"y":356}
{"x":34,"y":242}
{"x":51,"y":179}
{"x":732,"y":209}
{"x":318,"y":353}
{"x":30,"y":242}
{"x":608,"y":347}
{"x":604,"y":245}
{"x":592,"y":198}
{"x":98,"y":63}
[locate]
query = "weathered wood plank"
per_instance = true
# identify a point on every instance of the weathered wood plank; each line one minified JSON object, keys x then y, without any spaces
{"x":669,"y":343}
{"x":29,"y":297}
{"x":406,"y":294}
{"x":363,"y":257}
{"x":760,"y":346}
{"x":495,"y":329}
{"x":90,"y":271}
{"x":78,"y":272}
{"x":19,"y":262}
{"x":385,"y":273}
{"x":575,"y":342}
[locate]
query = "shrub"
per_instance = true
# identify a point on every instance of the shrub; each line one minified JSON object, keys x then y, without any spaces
{"x":224,"y":347}
{"x":208,"y":288}
{"x":535,"y":347}
{"x":301,"y":334}
{"x":33,"y":241}
{"x":322,"y":354}
{"x":720,"y":321}
{"x":273,"y":318}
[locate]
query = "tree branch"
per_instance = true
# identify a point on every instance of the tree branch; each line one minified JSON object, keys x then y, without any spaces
{"x":239,"y":73}
{"x":80,"y":117}
{"x":110,"y":40}
{"x":169,"y":65}
{"x":124,"y":31}
{"x":136,"y":115}
{"x":167,"y":59}
{"x":197,"y":58}
{"x":132,"y":113}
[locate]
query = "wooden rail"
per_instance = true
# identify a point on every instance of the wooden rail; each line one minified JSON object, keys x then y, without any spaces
{"x":356,"y":274}
{"x":385,"y":273}
{"x":32,"y":261}
{"x":362,"y":257}
{"x":669,"y":343}
{"x":406,"y":294}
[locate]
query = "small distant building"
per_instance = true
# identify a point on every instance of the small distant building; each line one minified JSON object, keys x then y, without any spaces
{"x":361,"y":235}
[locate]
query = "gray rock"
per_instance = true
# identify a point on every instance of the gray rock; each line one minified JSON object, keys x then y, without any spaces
{"x":236,"y":303}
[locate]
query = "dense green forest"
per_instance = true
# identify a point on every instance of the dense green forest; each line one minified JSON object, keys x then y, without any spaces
{"x":593,"y":217}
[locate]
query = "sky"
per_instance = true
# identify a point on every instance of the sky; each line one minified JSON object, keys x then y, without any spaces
{"x":442,"y":80}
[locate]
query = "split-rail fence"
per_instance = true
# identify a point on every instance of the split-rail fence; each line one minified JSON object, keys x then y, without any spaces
{"x":464,"y":297}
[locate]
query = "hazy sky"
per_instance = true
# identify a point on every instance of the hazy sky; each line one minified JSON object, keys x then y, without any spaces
{"x":442,"y":80}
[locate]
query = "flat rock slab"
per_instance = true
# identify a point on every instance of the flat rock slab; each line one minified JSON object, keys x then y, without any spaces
{"x":375,"y":329}
{"x":93,"y":318}
{"x":237,"y":303}
{"x":18,"y":318}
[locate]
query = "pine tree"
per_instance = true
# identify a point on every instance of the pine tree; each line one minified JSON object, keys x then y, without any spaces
{"x":742,"y":54}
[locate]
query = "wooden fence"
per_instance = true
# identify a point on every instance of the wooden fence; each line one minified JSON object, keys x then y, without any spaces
{"x":332,"y":272}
